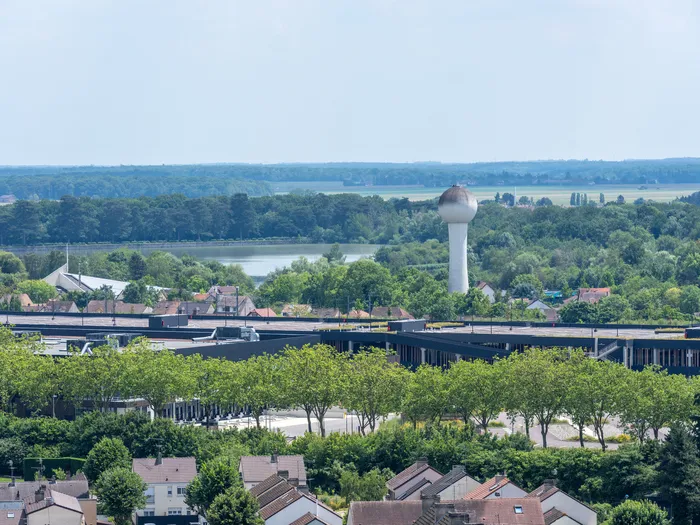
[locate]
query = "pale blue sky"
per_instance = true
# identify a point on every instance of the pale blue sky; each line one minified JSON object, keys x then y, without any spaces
{"x":166,"y":81}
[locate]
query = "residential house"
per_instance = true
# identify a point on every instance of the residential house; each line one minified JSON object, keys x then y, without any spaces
{"x":456,"y":484}
{"x":408,"y":483}
{"x":358,"y":314}
{"x":229,"y":304}
{"x":166,"y":308}
{"x":222,"y":290}
{"x":497,"y":487}
{"x":384,"y":512}
{"x":58,"y":306}
{"x":488,"y":290}
{"x":23,"y":298}
{"x":204,"y":298}
{"x":108,"y":306}
{"x":390,"y":312}
{"x":16,"y":492}
{"x":192,"y":308}
{"x":53,"y":508}
{"x":507,"y":511}
{"x":166,"y":479}
{"x":256,"y":469}
{"x":561,"y":509}
{"x":281,"y":503}
{"x":325,"y":313}
{"x":589,"y":295}
{"x":296,"y":310}
{"x":262,"y":312}
{"x":549,"y":312}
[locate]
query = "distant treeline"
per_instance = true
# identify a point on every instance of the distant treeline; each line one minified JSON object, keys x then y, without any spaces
{"x":53,"y":183}
{"x":46,"y":182}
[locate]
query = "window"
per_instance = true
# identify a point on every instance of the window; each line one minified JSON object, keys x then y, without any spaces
{"x":174,"y":511}
{"x":149,"y":512}
{"x":170,"y":491}
{"x":518,"y":509}
{"x":181,"y":491}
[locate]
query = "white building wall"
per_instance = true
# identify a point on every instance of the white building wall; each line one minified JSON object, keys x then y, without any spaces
{"x":162,"y":502}
{"x":460,"y":489}
{"x":570,"y":507}
{"x":328,"y":517}
{"x":565,"y":520}
{"x":508,"y":491}
{"x":55,"y":515}
{"x":292,"y":512}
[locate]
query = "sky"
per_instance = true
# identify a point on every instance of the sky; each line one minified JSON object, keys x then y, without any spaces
{"x":266,"y":81}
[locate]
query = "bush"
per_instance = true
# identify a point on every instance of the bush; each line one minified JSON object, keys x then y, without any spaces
{"x":638,"y":513}
{"x":67,"y":465}
{"x":108,"y":453}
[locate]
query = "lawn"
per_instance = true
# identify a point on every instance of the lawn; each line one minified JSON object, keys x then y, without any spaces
{"x":558,"y":194}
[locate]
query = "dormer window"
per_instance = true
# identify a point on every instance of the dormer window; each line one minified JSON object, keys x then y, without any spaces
{"x":518,"y":509}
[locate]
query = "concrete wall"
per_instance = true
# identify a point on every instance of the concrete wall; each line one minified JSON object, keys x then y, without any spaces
{"x":162,"y":502}
{"x":55,"y":515}
{"x":509,"y":491}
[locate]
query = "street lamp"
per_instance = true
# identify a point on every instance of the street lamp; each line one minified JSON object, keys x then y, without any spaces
{"x":53,"y":405}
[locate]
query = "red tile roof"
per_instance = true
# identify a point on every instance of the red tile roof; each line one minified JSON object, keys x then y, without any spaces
{"x":488,"y":487}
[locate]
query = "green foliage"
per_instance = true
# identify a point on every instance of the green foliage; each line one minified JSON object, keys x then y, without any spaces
{"x":368,"y":487}
{"x":215,"y":477}
{"x":30,"y":466}
{"x":38,"y":291}
{"x":236,"y":506}
{"x":120,"y":492}
{"x":107,"y":453}
{"x":679,"y":472}
{"x":637,"y":513}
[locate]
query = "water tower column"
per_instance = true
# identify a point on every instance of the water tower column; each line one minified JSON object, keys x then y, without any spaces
{"x":458,"y":279}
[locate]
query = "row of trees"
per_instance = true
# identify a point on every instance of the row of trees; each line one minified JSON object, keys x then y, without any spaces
{"x":537,"y":386}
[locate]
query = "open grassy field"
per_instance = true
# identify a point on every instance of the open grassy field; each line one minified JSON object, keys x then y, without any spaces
{"x":559,"y":194}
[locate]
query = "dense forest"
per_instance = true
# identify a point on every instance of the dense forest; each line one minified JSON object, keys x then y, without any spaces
{"x":52,"y":182}
{"x":647,"y":253}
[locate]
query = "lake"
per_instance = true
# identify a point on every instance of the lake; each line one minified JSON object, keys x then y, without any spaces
{"x":258,"y":261}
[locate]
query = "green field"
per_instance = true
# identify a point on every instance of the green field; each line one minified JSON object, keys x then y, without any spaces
{"x":558,"y":194}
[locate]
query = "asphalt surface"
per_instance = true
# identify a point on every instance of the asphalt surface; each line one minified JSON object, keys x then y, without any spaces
{"x":312,"y":325}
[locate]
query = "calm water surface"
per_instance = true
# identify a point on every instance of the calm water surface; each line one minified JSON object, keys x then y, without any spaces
{"x":260,"y":260}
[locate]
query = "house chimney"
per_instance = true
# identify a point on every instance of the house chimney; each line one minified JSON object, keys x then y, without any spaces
{"x":39,"y":494}
{"x":422,"y":461}
{"x":159,"y":458}
{"x":549,"y":483}
{"x":427,"y":502}
{"x":458,"y":518}
{"x":12,"y":481}
{"x":499,"y":477}
{"x":442,"y":509}
{"x":284,"y":474}
{"x":273,"y":458}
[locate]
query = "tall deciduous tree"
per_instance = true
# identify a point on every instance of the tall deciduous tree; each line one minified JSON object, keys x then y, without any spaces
{"x":374,"y":387}
{"x":315,"y":378}
{"x":236,"y":506}
{"x":215,"y":477}
{"x":679,"y":475}
{"x":475,"y":390}
{"x":120,"y":493}
{"x":259,"y":384}
{"x":106,"y":454}
{"x":158,"y":376}
{"x":426,"y":395}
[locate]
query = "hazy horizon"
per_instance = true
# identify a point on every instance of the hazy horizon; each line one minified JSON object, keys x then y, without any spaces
{"x":111,"y":83}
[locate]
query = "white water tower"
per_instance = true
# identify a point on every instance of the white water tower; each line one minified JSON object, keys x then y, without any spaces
{"x":457,"y":207}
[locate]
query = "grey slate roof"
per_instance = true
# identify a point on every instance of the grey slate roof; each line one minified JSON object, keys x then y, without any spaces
{"x":280,"y":504}
{"x":385,"y":512}
{"x":255,"y":469}
{"x":407,"y":474}
{"x":411,"y":489}
{"x":279,"y":490}
{"x":57,"y":498}
{"x":453,"y":476}
{"x":265,"y":485}
{"x":76,"y":487}
{"x":172,"y":470}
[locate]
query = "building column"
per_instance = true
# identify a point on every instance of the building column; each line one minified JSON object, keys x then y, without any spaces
{"x":595,"y":347}
{"x":422,"y":355}
{"x":689,"y":358}
{"x":350,"y":346}
{"x":388,"y":346}
{"x":656,"y":356}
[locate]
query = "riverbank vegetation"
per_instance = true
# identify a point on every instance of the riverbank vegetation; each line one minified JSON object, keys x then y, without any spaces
{"x":647,"y":254}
